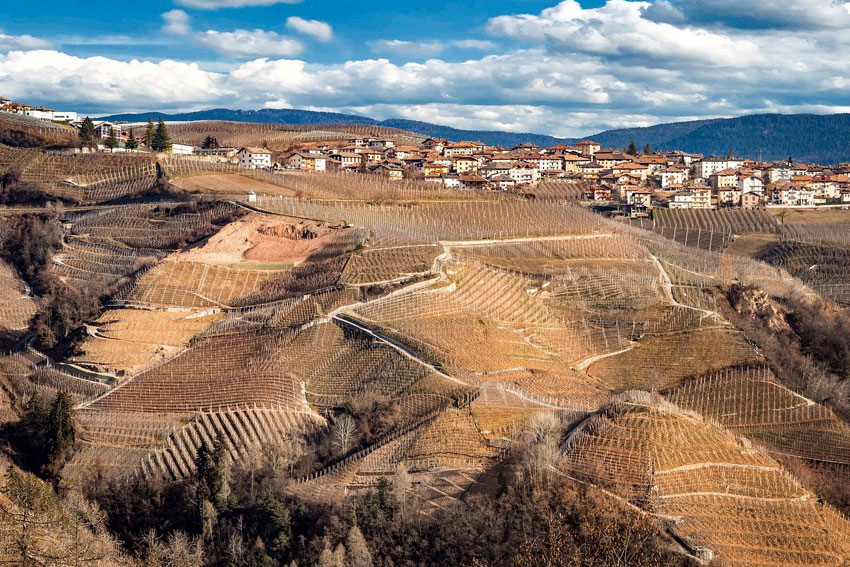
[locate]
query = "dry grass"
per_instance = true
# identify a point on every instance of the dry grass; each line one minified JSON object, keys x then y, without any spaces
{"x":213,"y":184}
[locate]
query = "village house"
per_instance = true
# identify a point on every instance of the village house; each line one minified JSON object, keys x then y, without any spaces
{"x":788,"y":194}
{"x":463,"y":149}
{"x":307,"y":162}
{"x":435,"y":144}
{"x":701,"y":196}
{"x":588,"y":148}
{"x":473,"y":182}
{"x":524,"y":173}
{"x":724,"y":178}
{"x":750,"y":184}
{"x":463,"y":164}
{"x":391,"y":170}
{"x":673,"y":175}
{"x":610,"y":159}
{"x":254,"y":158}
{"x":706,"y":167}
{"x":751,"y":200}
{"x":347,"y":159}
{"x":682,"y":200}
{"x":572,"y":163}
{"x":102,"y":130}
{"x":435,"y":170}
{"x":728,"y":197}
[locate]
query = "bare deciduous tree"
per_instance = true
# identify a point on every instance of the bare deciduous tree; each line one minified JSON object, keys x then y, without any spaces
{"x":344,"y":431}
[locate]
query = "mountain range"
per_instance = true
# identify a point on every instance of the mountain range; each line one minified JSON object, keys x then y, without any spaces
{"x":805,"y":137}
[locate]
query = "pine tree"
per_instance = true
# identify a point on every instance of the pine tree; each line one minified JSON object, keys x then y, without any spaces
{"x":60,"y":433}
{"x":632,"y":150}
{"x":647,"y":150}
{"x":149,"y":133}
{"x":357,"y":552}
{"x":112,"y":141}
{"x":131,"y":143}
{"x":161,"y":138}
{"x":210,"y":143}
{"x":87,"y":130}
{"x":364,"y":166}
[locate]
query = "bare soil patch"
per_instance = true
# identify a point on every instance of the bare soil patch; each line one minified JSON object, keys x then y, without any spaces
{"x":262,"y":240}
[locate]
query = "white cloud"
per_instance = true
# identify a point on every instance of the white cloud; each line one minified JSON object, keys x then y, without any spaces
{"x":618,"y":29}
{"x":479,"y":44}
{"x":219,"y":4}
{"x":427,"y":48}
{"x":100,"y":82}
{"x":312,"y":28}
{"x":176,"y":22}
{"x":247,"y":43}
{"x":753,"y":14}
{"x":582,"y":70}
{"x":9,"y":42}
{"x":408,"y":48}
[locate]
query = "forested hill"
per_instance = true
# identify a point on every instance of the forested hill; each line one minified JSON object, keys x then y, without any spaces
{"x":806,"y":137}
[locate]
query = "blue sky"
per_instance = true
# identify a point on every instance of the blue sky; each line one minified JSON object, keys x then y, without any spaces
{"x":564,"y":68}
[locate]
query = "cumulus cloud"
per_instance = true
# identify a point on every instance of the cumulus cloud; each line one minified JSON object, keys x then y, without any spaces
{"x":311,"y":28}
{"x":250,"y":43}
{"x":176,"y":22}
{"x":567,"y":70}
{"x":107,"y":83}
{"x":753,"y":14}
{"x":219,"y":4}
{"x":618,"y":29}
{"x":427,"y":48}
{"x":9,"y":42}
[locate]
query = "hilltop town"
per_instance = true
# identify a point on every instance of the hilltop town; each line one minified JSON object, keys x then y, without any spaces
{"x":635,"y":182}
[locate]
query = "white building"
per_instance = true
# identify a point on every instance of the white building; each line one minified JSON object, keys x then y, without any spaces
{"x":672,"y":176}
{"x":706,"y":167}
{"x":182,"y":149}
{"x":524,"y":173}
{"x":255,"y":158}
{"x":682,"y":200}
{"x":750,"y":184}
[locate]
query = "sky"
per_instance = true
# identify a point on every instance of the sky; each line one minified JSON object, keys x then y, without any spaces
{"x":569,"y":68}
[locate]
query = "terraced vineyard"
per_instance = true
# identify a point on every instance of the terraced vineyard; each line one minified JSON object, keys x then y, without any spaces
{"x":356,"y":339}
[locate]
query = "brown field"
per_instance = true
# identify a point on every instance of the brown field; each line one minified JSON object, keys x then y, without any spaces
{"x":751,"y":245}
{"x":228,"y":184}
{"x":791,"y":216}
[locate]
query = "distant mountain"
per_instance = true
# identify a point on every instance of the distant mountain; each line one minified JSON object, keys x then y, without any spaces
{"x":489,"y":137}
{"x":264,"y":116}
{"x":806,"y":137}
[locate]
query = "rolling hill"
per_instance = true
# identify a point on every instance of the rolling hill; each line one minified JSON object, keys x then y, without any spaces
{"x":806,"y":137}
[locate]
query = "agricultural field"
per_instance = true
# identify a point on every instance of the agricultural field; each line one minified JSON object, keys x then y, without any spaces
{"x":16,"y":303}
{"x":359,"y":332}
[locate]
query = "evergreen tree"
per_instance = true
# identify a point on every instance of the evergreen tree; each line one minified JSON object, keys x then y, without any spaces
{"x":277,"y":528}
{"x":131,"y":143}
{"x":210,"y":143}
{"x":149,"y":134}
{"x":161,"y":138}
{"x":87,"y":130}
{"x":632,"y":150}
{"x":364,"y":166}
{"x":647,"y":150}
{"x":112,"y":141}
{"x":60,"y":435}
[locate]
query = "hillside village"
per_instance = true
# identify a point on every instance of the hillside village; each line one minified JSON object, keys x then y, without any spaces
{"x":635,"y":182}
